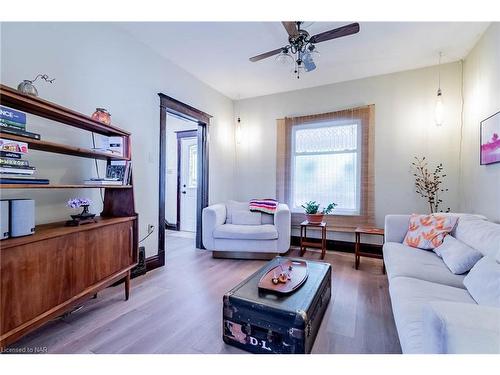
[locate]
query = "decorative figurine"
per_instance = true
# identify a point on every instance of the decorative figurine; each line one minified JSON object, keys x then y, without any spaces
{"x":102,"y":115}
{"x":26,"y":87}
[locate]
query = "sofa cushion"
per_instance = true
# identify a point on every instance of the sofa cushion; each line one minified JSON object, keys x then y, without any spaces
{"x":460,"y":328}
{"x":246,"y":217}
{"x":402,"y":260}
{"x":481,"y":235}
{"x":232,"y":206}
{"x":428,"y":231}
{"x":483,"y":282}
{"x":246,"y":232}
{"x":457,"y":256}
{"x":408,"y":298}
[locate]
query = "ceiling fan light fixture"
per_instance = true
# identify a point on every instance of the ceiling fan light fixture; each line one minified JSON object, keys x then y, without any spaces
{"x":284,"y":58}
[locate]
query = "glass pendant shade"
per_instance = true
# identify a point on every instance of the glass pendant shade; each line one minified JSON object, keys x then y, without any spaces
{"x":439,"y":110}
{"x":284,"y":58}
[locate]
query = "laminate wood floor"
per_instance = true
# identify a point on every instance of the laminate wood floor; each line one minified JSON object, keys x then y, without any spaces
{"x":170,"y":311}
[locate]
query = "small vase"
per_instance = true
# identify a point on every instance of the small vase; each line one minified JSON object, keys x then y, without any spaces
{"x":26,"y":87}
{"x":315,"y":218}
{"x":102,"y":115}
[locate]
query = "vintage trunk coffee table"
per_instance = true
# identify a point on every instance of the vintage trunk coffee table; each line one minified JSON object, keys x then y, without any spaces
{"x":265,"y":322}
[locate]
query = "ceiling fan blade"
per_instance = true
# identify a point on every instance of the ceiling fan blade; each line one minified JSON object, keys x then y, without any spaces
{"x":265,"y":55}
{"x":350,"y":29}
{"x":291,"y":27}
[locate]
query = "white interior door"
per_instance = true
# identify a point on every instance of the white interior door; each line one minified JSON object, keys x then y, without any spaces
{"x":188,"y":186}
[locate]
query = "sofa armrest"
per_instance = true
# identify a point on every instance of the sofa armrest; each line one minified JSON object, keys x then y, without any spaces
{"x":395,"y":227}
{"x":212,"y":217}
{"x":283,"y":224}
{"x":453,"y":327}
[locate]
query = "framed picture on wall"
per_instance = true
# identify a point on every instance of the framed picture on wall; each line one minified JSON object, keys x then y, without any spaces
{"x":490,"y":140}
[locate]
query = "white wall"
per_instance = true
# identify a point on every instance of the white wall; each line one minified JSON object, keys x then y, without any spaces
{"x":174,"y":125}
{"x":404,"y":127}
{"x":97,"y":65}
{"x":481,"y":183}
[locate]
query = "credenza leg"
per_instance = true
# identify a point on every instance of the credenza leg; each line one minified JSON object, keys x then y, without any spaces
{"x":127,"y":286}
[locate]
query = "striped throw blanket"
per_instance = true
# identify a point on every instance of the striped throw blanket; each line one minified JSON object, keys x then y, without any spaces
{"x":267,"y":206}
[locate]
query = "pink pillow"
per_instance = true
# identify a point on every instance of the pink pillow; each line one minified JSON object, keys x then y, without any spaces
{"x":428,"y":231}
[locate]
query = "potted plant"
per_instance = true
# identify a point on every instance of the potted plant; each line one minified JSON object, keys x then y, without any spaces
{"x":313,"y":215}
{"x":85,"y":216}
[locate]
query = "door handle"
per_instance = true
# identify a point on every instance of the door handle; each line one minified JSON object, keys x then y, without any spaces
{"x":183,"y":192}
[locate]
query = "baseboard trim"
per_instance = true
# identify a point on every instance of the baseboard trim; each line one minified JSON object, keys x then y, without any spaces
{"x":243,"y":255}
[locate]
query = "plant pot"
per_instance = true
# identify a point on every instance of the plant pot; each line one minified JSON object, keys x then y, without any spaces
{"x":314,"y":218}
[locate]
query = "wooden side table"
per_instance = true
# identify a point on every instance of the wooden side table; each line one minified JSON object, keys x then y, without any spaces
{"x":357,"y":248}
{"x":305,"y":243}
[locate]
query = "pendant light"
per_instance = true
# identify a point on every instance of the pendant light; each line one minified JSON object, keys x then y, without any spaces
{"x":439,"y":110}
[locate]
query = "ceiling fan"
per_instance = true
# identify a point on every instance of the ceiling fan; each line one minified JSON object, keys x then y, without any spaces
{"x":301,"y":46}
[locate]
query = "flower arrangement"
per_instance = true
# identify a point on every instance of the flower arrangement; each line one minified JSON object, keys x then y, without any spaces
{"x":79,"y":202}
{"x":83,"y":217}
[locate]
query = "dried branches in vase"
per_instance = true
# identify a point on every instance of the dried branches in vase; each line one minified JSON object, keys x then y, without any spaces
{"x":428,"y":184}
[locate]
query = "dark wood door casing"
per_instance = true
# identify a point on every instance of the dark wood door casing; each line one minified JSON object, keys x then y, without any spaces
{"x":175,"y":107}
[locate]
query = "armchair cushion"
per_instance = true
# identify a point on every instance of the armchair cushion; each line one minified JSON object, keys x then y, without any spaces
{"x":246,"y":232}
{"x":233,"y":206}
{"x":241,"y":217}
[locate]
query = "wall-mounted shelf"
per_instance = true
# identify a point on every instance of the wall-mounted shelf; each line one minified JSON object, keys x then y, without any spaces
{"x":59,"y":148}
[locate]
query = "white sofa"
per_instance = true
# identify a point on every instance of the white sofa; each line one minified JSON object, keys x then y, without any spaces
{"x":232,"y":230}
{"x":433,"y":311}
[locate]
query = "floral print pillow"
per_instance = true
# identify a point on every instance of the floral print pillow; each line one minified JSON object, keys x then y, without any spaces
{"x":428,"y":231}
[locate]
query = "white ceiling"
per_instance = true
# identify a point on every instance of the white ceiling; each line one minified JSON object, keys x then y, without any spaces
{"x":217,"y":52}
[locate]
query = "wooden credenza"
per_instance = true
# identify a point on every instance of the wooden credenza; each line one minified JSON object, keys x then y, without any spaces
{"x":59,"y":267}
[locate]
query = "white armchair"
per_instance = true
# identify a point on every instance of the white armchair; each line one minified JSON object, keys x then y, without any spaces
{"x":231,"y":230}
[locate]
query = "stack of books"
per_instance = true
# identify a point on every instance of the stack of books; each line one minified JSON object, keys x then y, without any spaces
{"x":13,"y":169}
{"x":117,"y":173}
{"x":14,"y":122}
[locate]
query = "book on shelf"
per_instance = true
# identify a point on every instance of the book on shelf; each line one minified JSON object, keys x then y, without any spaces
{"x":103,"y":181}
{"x":23,"y":180}
{"x":12,"y":124}
{"x":10,"y":169}
{"x":22,"y":133}
{"x":6,"y":161}
{"x":120,"y":169}
{"x":12,"y":115}
{"x":10,"y":155}
{"x":8,"y":145}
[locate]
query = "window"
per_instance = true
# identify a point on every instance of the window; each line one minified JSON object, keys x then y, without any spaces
{"x":193,"y":166}
{"x":328,"y":157}
{"x":325,"y":165}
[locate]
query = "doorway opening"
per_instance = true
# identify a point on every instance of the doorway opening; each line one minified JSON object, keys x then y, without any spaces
{"x":183,"y":174}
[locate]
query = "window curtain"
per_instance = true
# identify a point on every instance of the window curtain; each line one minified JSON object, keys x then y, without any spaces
{"x":365,"y":116}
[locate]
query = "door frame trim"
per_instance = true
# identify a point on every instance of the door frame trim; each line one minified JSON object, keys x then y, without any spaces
{"x":180,"y":135}
{"x":175,"y":107}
